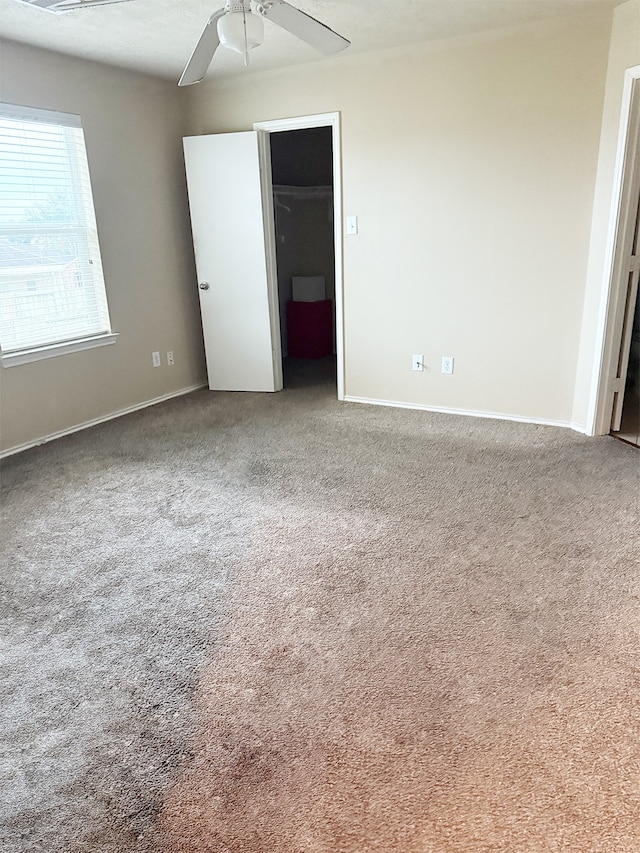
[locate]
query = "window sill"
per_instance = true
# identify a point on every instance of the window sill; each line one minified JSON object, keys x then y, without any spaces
{"x":12,"y":359}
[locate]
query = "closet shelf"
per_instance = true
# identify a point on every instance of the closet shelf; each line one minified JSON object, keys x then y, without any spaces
{"x":285,"y":191}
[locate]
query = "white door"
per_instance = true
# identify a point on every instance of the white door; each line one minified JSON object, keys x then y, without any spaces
{"x":241,"y":333}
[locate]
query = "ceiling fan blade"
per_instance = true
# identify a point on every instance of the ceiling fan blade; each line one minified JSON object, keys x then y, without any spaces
{"x":58,"y":6}
{"x":200,"y":59}
{"x":305,"y":27}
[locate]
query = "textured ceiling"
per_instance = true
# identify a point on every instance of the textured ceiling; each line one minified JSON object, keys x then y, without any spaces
{"x":157,"y":36}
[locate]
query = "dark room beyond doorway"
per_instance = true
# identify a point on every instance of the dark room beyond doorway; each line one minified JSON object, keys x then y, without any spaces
{"x":302,"y":176}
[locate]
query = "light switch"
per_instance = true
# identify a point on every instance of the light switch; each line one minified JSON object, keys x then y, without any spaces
{"x":352,"y":224}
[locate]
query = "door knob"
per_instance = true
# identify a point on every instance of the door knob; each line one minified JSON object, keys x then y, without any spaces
{"x":204,"y":285}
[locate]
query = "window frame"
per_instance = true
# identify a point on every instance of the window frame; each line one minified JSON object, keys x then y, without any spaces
{"x":90,"y":340}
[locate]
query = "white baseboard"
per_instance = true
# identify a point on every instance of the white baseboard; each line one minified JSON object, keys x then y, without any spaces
{"x":467,"y":413}
{"x":101,"y":420}
{"x":348,"y":399}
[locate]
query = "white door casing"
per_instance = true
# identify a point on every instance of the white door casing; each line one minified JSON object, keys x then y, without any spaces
{"x":241,"y":333}
{"x":621,"y":280}
{"x":265,"y":128}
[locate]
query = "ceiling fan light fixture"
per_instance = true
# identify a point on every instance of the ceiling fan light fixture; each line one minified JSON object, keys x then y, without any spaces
{"x":241,"y":31}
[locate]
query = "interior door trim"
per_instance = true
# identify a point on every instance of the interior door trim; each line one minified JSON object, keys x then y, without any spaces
{"x":331,"y":120}
{"x":626,"y":186}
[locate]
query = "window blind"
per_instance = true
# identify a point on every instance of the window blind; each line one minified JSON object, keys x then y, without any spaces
{"x":51,"y":281}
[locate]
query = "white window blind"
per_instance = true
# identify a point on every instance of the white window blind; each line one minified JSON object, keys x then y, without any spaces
{"x":51,"y":283}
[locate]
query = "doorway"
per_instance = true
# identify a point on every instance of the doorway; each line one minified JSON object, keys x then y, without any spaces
{"x":619,"y":403}
{"x":303,"y":216}
{"x":626,"y":422}
{"x":615,"y":404}
{"x":302,"y":183}
{"x":231,"y":203}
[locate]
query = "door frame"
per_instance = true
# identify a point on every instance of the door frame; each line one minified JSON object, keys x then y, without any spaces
{"x":626,"y":188}
{"x":265,"y":128}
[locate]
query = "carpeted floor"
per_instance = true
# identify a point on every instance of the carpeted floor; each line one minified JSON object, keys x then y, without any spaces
{"x":247,"y":623}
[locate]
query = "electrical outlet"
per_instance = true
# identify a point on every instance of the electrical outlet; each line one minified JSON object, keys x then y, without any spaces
{"x":170,"y":360}
{"x":417,"y":362}
{"x":447,"y":364}
{"x":155,"y":358}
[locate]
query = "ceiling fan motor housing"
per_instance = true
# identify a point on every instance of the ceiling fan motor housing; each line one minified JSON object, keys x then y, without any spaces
{"x":238,"y":6}
{"x":239,"y":28}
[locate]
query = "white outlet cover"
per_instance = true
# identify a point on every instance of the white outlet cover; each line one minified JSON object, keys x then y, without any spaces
{"x":447,"y":364}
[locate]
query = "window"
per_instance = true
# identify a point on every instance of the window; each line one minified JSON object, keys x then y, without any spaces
{"x":52,"y":293}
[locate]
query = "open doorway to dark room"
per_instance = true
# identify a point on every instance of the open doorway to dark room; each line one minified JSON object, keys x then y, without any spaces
{"x":302,"y":176}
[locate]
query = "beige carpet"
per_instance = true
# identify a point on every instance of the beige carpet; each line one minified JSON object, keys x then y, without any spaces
{"x":280,"y":624}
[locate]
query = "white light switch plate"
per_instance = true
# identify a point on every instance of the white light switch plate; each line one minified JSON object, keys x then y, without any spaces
{"x":352,"y":224}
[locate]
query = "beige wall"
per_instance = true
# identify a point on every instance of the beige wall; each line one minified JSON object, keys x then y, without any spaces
{"x":624,"y":53}
{"x":133,"y":127}
{"x":471,"y":167}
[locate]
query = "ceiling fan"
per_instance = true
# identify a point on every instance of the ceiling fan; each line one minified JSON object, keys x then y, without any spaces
{"x":239,"y":28}
{"x":58,"y":6}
